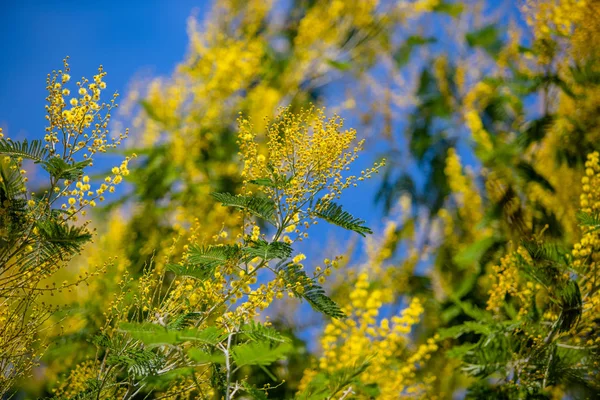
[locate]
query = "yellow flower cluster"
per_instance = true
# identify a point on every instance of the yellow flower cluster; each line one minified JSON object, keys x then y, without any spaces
{"x":586,"y":256}
{"x":306,"y":157}
{"x":82,"y":195}
{"x":78,"y":381}
{"x":508,"y":281}
{"x":585,"y":252}
{"x":480,"y":135}
{"x":69,"y":119}
{"x":470,"y":206}
{"x":559,"y":16}
{"x":348,"y":342}
{"x":327,"y":23}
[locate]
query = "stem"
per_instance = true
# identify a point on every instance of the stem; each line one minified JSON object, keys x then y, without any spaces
{"x":228,"y":366}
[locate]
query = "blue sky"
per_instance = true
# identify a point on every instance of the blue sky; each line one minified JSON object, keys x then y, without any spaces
{"x":127,"y":37}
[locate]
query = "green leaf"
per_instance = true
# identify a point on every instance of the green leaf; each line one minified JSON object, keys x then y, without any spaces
{"x":571,"y":306}
{"x":184,"y":320}
{"x":326,"y":385}
{"x":34,"y":150}
{"x":467,"y":327}
{"x":255,"y":393}
{"x":61,"y":238}
{"x":486,"y":38}
{"x":261,"y":207}
{"x":259,"y":353}
{"x":60,"y":169}
{"x":313,"y":293}
{"x":590,"y":220}
{"x":339,"y":65}
{"x":203,"y":357}
{"x":528,"y":172}
{"x":535,"y":130}
{"x":203,"y":261}
{"x":474,"y":252}
{"x":157,"y":335}
{"x":452,"y":9}
{"x":265,"y":182}
{"x":137,"y":361}
{"x":277,"y":181}
{"x":259,"y":332}
{"x":334,"y":214}
{"x":268,"y":251}
{"x":402,"y":55}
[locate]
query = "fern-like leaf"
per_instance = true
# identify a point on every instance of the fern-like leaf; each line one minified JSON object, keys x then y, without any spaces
{"x":60,"y":169}
{"x":311,"y":292}
{"x":138,"y":362}
{"x":334,"y":214}
{"x":203,"y":357}
{"x":259,"y":353}
{"x":34,"y":150}
{"x":571,"y":306}
{"x":259,"y":332}
{"x":268,"y":251}
{"x":261,"y":207}
{"x":253,"y":392}
{"x":590,"y":220}
{"x":157,"y":335}
{"x":203,"y":261}
{"x":62,"y":236}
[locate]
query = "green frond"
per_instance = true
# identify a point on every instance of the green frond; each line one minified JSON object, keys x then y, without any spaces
{"x":571,"y":305}
{"x":261,"y":207}
{"x":259,"y":353}
{"x":203,"y":261}
{"x":327,"y":385}
{"x":334,"y":214}
{"x":34,"y":150}
{"x":183,"y":321}
{"x":138,"y":362}
{"x":544,"y":251}
{"x":529,"y":174}
{"x":60,"y":169}
{"x":313,"y":293}
{"x":62,"y":236}
{"x":259,"y":332}
{"x":590,"y":220}
{"x":278,"y":181}
{"x":268,"y":251}
{"x":253,"y":392}
{"x":202,"y":357}
{"x":157,"y":335}
{"x":91,"y":390}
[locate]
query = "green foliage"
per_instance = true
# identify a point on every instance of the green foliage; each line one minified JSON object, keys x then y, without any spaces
{"x":34,"y":150}
{"x":486,"y":38}
{"x":261,"y":207}
{"x":334,"y":214}
{"x":259,"y":332}
{"x":311,"y":292}
{"x":157,"y":335}
{"x":259,"y":353}
{"x":403,"y":54}
{"x":327,"y":385}
{"x":203,"y":261}
{"x":453,"y":9}
{"x":62,"y":237}
{"x":137,"y":362}
{"x":589,"y":220}
{"x":268,"y":251}
{"x":60,"y":169}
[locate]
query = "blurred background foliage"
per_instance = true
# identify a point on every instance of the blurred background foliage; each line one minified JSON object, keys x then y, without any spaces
{"x":488,"y":115}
